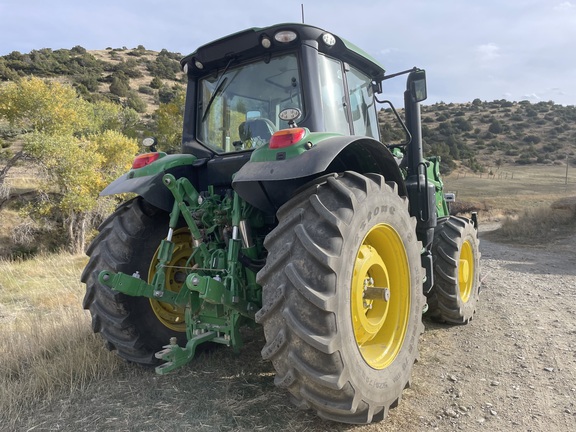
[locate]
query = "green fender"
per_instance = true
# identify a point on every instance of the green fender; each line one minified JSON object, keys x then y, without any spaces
{"x":273,"y":176}
{"x":147,"y":181}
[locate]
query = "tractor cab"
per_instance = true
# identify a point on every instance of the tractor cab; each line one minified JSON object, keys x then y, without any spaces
{"x":240,"y":85}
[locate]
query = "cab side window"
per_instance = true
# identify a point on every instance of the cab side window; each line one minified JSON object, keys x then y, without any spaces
{"x":333,"y":96}
{"x":362,"y":107}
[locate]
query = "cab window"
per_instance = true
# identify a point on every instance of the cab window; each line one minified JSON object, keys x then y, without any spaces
{"x":333,"y":95}
{"x":240,"y":106}
{"x":362,"y":107}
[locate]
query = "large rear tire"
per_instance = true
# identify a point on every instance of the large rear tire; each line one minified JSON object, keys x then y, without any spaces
{"x":136,"y":327}
{"x":342,"y":297}
{"x":454,"y":296}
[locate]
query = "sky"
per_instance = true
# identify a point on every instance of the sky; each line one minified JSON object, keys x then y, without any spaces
{"x":486,"y":49}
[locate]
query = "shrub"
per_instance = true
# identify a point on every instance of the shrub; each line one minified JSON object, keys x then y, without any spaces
{"x":89,"y":81}
{"x":156,"y":83}
{"x":119,"y":87}
{"x":138,"y":52}
{"x":129,"y":68}
{"x":135,"y":102}
{"x":167,"y":94}
{"x":524,"y":160}
{"x":495,"y":127}
{"x":531,"y":139}
{"x":78,"y":50}
{"x":552,"y":147}
{"x":146,"y":90}
{"x":164,"y":67}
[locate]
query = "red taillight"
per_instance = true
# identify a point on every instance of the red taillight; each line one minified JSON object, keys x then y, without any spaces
{"x":144,"y":159}
{"x":286,"y":137}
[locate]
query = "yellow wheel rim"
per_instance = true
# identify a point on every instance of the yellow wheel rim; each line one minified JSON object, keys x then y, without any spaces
{"x":466,"y":271}
{"x":380,"y":298}
{"x":169,"y":315}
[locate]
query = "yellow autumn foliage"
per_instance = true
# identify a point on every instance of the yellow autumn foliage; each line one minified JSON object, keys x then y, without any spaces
{"x":43,"y":106}
{"x":170,"y":118}
{"x":81,"y":167}
{"x":72,"y":140}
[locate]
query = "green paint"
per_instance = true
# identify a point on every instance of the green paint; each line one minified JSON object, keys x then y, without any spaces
{"x":164,"y":163}
{"x":433,"y":168}
{"x":309,"y":141}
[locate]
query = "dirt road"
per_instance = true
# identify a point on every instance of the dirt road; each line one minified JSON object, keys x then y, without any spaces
{"x":513,"y":368}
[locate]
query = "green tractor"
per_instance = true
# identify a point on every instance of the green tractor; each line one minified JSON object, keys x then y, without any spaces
{"x":284,"y":209}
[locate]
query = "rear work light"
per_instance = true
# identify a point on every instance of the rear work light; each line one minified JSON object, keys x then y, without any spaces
{"x":286,"y":137}
{"x":144,"y":159}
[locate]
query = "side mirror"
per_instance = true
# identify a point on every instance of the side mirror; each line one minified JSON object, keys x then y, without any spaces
{"x":416,"y":85}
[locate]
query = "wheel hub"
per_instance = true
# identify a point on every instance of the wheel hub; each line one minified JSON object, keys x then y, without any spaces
{"x":380,"y":296}
{"x":466,"y":271}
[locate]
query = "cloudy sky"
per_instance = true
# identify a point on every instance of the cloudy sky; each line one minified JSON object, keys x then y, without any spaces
{"x":487,"y":49}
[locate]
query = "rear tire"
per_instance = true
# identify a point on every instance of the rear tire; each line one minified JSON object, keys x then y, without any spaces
{"x":343,"y":355}
{"x":127,"y":243}
{"x":454,"y":296}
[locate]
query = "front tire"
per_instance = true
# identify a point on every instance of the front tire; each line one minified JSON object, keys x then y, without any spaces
{"x":454,"y":296}
{"x":135,"y":327}
{"x":342,"y":297}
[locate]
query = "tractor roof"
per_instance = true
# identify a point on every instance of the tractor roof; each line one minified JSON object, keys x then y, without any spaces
{"x":248,"y":43}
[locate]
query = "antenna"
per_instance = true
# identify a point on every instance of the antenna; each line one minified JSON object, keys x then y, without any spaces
{"x":302,"y":7}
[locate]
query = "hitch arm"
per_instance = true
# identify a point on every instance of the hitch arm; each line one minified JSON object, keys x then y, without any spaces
{"x":136,"y":287}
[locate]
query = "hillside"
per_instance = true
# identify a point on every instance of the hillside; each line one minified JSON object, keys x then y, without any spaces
{"x":137,"y":78}
{"x":484,"y":136}
{"x":481,"y":136}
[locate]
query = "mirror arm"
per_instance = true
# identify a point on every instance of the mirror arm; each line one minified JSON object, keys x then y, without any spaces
{"x":404,"y":127}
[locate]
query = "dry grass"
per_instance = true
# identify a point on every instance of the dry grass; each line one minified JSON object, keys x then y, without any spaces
{"x":55,"y":373}
{"x":23,"y":178}
{"x":533,"y":203}
{"x":539,"y":226}
{"x":47,"y":349}
{"x":513,"y":189}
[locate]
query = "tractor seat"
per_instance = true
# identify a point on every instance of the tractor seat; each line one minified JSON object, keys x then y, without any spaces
{"x":257,"y":131}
